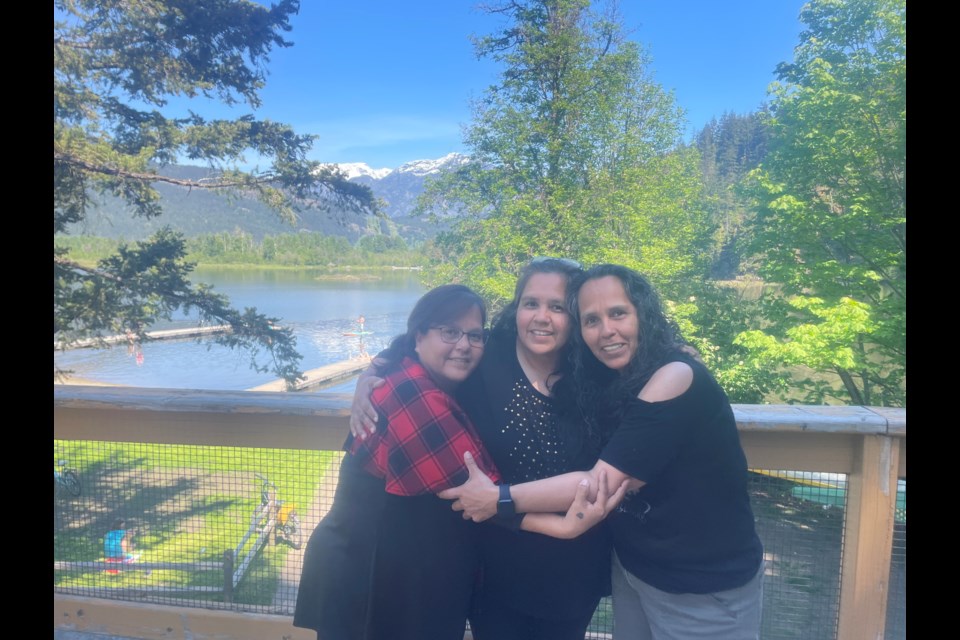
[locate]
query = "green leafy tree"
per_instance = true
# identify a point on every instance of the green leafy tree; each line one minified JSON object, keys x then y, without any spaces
{"x":116,"y":65}
{"x":831,"y":225}
{"x":574,"y":152}
{"x":578,"y":152}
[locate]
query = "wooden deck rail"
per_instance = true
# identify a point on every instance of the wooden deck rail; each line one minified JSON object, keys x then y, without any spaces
{"x":867,"y":443}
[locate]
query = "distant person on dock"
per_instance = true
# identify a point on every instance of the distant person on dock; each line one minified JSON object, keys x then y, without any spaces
{"x":362,"y":354}
{"x":133,"y":342}
{"x":360,"y":321}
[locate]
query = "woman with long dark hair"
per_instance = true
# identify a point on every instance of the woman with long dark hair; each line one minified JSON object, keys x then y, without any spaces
{"x":688,"y":562}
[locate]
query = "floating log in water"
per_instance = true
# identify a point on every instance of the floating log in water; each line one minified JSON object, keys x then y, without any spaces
{"x":165,"y":334}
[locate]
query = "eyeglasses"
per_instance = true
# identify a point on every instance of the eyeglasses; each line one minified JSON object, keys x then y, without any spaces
{"x":452,"y":335}
{"x":567,"y":262}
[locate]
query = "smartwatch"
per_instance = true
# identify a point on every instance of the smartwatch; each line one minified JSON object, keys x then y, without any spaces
{"x":505,"y":507}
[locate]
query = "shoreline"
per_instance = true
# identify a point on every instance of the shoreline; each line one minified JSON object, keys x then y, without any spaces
{"x":68,"y":379}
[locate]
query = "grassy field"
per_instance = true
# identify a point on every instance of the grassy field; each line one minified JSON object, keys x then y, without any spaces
{"x":187,"y":503}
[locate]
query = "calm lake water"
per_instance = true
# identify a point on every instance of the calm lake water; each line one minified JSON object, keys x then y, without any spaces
{"x":319,"y":312}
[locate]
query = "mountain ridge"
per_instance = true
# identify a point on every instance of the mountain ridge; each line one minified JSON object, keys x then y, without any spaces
{"x":196,"y":211}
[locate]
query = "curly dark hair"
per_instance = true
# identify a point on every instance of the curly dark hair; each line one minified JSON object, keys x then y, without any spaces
{"x":602,"y":392}
{"x":441,"y":305}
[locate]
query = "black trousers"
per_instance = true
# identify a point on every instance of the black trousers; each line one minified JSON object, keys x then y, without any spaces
{"x":426,"y":568}
{"x":494,"y":621}
{"x":334,"y":597}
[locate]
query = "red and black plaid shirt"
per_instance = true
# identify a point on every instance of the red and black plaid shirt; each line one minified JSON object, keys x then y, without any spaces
{"x":421,"y":436}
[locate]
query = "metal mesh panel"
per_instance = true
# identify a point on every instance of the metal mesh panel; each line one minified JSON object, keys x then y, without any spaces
{"x":601,"y":627}
{"x":896,"y":625}
{"x":220,"y":527}
{"x":800,"y":521}
{"x":206,"y":526}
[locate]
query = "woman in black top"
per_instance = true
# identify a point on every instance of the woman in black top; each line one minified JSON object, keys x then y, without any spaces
{"x":688,"y":561}
{"x":521,"y":401}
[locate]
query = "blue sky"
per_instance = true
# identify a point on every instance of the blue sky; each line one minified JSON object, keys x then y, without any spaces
{"x":386,"y":82}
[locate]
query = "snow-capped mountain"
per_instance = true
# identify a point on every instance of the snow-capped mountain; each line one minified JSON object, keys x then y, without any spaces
{"x":400,"y":187}
{"x":362,"y":169}
{"x":415,"y":167}
{"x":427,"y":167}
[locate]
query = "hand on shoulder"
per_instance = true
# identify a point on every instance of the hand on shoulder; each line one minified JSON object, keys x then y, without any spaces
{"x":667,"y":382}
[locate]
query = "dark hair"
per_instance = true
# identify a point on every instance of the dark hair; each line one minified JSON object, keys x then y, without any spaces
{"x":117,"y":524}
{"x":441,"y":305}
{"x":506,"y":321}
{"x":659,"y":338}
{"x":505,"y":328}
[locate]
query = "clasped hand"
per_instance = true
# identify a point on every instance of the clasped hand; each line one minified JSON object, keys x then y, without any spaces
{"x":477,"y":497}
{"x":477,"y":500}
{"x":585,"y":513}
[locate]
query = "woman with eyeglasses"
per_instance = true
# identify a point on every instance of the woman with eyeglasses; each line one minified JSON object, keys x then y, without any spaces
{"x":391,"y":561}
{"x":687,"y":559}
{"x":522,"y":402}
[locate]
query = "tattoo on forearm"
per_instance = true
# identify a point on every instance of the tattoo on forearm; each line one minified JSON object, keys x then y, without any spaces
{"x":580,"y":515}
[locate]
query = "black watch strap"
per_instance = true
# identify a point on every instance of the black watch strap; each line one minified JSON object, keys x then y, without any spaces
{"x":505,"y":506}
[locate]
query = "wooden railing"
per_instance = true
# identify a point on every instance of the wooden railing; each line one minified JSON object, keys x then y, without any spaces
{"x":867,"y":443}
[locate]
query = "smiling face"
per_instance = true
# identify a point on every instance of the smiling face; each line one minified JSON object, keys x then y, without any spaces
{"x":450,"y":364}
{"x":543,"y":324}
{"x":608,"y":321}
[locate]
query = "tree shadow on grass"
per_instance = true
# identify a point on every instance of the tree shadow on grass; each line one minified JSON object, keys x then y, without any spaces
{"x":180,"y":515}
{"x":183,"y":511}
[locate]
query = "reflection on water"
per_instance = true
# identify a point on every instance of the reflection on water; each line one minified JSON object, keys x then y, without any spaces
{"x":318,"y":311}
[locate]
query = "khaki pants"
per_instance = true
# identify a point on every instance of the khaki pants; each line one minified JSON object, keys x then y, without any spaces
{"x":643,"y":612}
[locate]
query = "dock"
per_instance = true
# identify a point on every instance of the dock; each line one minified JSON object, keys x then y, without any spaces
{"x":321,"y":376}
{"x":165,"y":334}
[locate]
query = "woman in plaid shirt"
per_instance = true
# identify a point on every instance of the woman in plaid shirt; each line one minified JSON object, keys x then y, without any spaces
{"x":522,"y":402}
{"x":390,"y":559}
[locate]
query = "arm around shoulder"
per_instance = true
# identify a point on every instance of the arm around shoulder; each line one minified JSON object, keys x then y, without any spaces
{"x":363,"y":415}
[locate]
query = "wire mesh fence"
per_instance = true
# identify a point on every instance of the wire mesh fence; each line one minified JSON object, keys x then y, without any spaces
{"x":802,"y":533}
{"x":896,"y":624}
{"x":226,"y":527}
{"x":800,"y":518}
{"x":202,"y":525}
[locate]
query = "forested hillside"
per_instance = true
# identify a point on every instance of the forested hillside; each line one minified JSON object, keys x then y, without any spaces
{"x":196,"y":211}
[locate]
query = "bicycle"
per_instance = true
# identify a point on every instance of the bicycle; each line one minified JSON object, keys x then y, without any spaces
{"x":279,"y":514}
{"x":65,"y":480}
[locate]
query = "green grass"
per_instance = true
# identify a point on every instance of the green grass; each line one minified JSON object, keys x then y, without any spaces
{"x":188,"y":503}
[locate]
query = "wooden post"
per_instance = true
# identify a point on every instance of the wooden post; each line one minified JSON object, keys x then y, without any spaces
{"x":228,"y":575}
{"x":868,"y":539}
